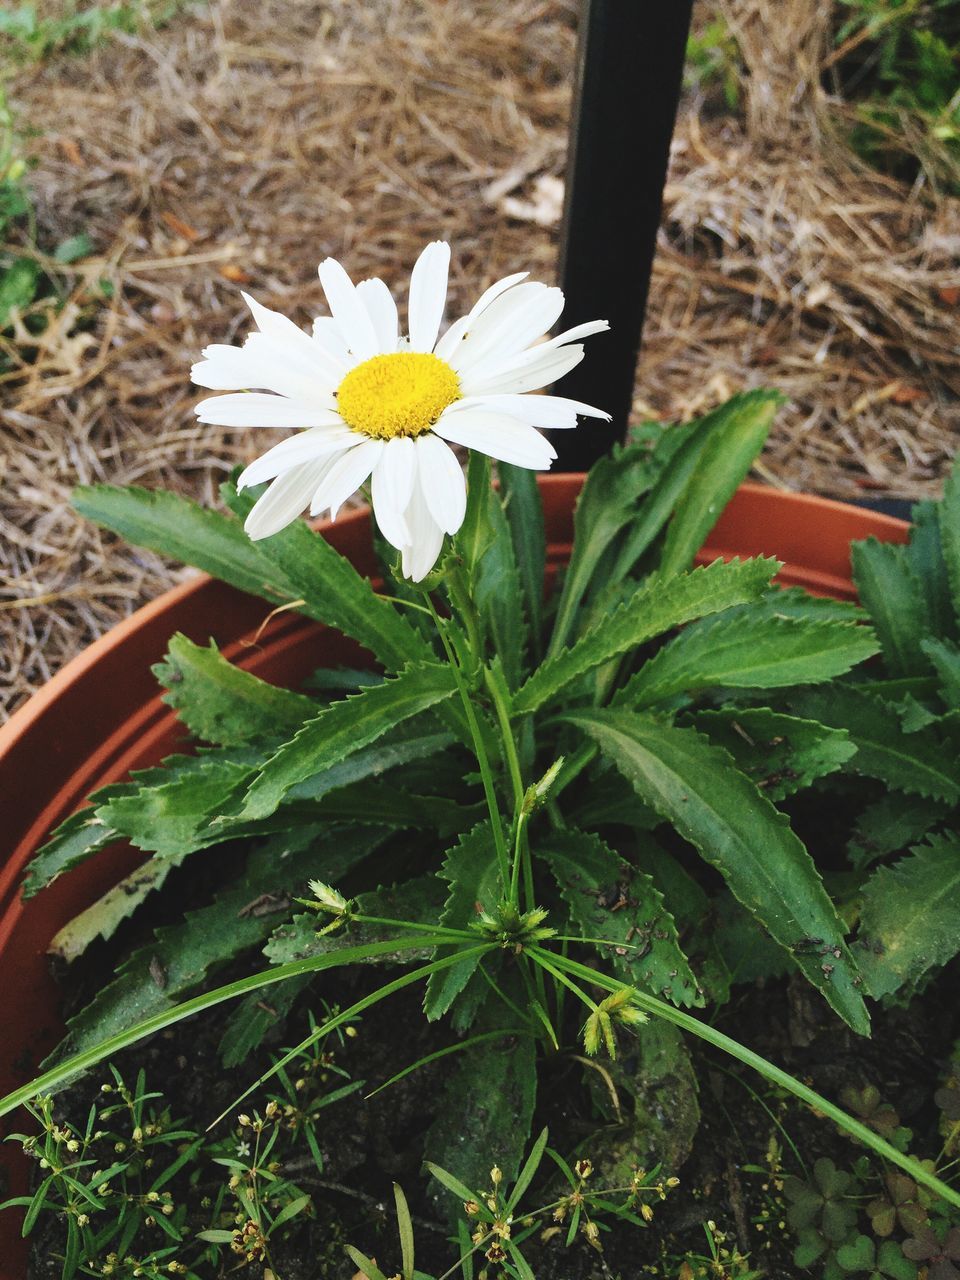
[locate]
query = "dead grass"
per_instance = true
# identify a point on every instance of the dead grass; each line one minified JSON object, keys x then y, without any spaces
{"x":248,"y":140}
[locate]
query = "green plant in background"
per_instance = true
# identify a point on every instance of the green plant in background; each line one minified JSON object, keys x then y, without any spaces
{"x":713,"y":58}
{"x":901,"y":70}
{"x":143,"y":1195}
{"x":31,"y":36}
{"x":493,"y":1225}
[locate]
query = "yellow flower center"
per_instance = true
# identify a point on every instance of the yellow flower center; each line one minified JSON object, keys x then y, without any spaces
{"x":399,"y":394}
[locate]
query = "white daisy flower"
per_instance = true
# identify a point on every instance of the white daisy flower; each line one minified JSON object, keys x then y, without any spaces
{"x":373,"y":403}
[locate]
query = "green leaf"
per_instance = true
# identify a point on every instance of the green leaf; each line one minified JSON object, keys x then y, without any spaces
{"x":699,"y":790}
{"x":103,"y":917}
{"x":737,"y":434}
{"x":781,"y":754}
{"x":949,"y":513}
{"x":610,"y":900}
{"x":344,"y":728}
{"x":741,"y":651}
{"x":173,"y":818}
{"x":910,"y":918}
{"x":892,"y":595}
{"x":925,"y":558}
{"x":471,"y":870}
{"x":413,"y":901}
{"x":658,"y":1114}
{"x":181,"y":956}
{"x":524,"y":512}
{"x":655,"y":607}
{"x":495,"y":588}
{"x":332,"y":589}
{"x":892,"y":824}
{"x":76,"y":838}
{"x":606,"y":505}
{"x":221,"y":703}
{"x":18,"y":287}
{"x":915,"y":762}
{"x":484,"y":1114}
{"x":185,"y":531}
{"x":73,"y":248}
{"x":254,"y":1018}
{"x":945,"y":656}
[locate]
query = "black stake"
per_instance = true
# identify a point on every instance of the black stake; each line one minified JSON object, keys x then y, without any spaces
{"x":629,"y":76}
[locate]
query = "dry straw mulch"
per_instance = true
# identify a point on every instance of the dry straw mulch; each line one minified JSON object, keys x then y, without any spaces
{"x":249,"y":139}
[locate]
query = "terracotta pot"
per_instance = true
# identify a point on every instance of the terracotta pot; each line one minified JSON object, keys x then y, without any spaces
{"x":102,"y":716}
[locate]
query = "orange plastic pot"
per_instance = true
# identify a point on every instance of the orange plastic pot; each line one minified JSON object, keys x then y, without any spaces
{"x":102,"y":716}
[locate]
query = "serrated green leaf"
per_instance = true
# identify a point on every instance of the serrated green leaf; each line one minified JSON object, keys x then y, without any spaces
{"x":220,"y":702}
{"x":76,"y":838}
{"x":699,"y":790}
{"x":910,"y":917}
{"x":737,"y":434}
{"x":472,"y":873}
{"x":173,"y":818}
{"x":344,"y":728}
{"x":103,"y":917}
{"x":609,"y":899}
{"x":524,"y":512}
{"x":181,"y":956}
{"x":945,"y":656}
{"x":925,"y":557}
{"x":176,"y":527}
{"x":494,"y":580}
{"x":892,"y":595}
{"x":486,"y":1110}
{"x":740,"y":651}
{"x":781,"y":754}
{"x":655,"y":607}
{"x":915,"y":762}
{"x":332,"y":589}
{"x":606,"y":505}
{"x":255,"y":1016}
{"x":949,"y":514}
{"x":417,"y":900}
{"x":892,"y":824}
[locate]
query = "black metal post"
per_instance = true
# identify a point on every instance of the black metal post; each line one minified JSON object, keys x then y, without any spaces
{"x":629,"y":76}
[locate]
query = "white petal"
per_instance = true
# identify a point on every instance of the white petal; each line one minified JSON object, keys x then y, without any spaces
{"x":548,"y":412}
{"x":252,"y":409}
{"x":426,"y":538}
{"x":498,"y":436}
{"x":535,"y":368}
{"x":273,"y":363}
{"x":284,"y":500}
{"x":579,"y":331}
{"x":442,"y":482}
{"x":393,"y":480}
{"x":382,"y":310}
{"x":452,"y":338}
{"x":484,"y":327}
{"x":509,"y":327}
{"x":318,"y":442}
{"x":428,"y":295}
{"x":327,"y":336}
{"x":347,"y":309}
{"x":346,"y":476}
{"x":495,"y":290}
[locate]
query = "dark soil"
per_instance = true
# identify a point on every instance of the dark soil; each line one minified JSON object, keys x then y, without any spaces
{"x":745,"y":1128}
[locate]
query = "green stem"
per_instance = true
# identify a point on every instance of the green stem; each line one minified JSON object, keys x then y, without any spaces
{"x":538,"y":954}
{"x":442,"y":930}
{"x":479,"y":750}
{"x":498,"y":692}
{"x":764,"y":1068}
{"x":64,"y":1071}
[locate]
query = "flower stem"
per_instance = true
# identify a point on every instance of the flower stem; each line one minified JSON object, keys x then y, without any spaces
{"x":479,"y":750}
